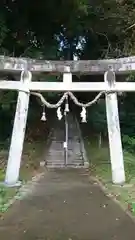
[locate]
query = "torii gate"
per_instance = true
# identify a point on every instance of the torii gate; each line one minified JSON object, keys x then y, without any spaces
{"x":27,"y":67}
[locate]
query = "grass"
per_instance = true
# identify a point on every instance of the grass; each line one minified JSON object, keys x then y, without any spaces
{"x":33,"y":153}
{"x":100,"y":167}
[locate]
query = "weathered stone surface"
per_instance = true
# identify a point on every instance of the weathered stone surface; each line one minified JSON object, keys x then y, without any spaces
{"x":87,"y":66}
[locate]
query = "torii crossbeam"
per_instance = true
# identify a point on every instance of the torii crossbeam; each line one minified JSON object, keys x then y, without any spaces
{"x":89,"y":67}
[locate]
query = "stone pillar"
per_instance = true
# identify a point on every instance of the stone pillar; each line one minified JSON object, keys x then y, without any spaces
{"x":115,"y":145}
{"x":17,"y":140}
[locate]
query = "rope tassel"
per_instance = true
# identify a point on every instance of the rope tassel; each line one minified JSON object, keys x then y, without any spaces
{"x":66,"y":105}
{"x":59,"y":114}
{"x":83,"y":115}
{"x":43,"y":118}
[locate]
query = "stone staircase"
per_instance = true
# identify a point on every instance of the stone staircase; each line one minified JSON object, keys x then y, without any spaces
{"x":55,"y":157}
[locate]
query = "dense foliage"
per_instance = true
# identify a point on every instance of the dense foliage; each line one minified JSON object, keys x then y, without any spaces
{"x":53,"y":29}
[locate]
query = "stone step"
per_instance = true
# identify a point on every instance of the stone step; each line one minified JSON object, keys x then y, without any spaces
{"x":61,"y":157}
{"x":63,"y":160}
{"x":56,"y":154}
{"x":65,"y":166}
{"x":57,"y":161}
{"x":71,"y":152}
{"x":63,"y":163}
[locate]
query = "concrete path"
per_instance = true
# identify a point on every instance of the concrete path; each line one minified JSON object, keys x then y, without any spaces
{"x":66,"y":205}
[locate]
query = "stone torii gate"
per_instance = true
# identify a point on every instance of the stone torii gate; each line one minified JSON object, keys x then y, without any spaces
{"x":27,"y":67}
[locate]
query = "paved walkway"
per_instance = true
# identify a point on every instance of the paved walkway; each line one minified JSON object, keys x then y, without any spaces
{"x":65,"y":205}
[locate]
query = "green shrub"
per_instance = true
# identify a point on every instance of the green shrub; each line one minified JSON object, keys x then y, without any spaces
{"x":128,"y":143}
